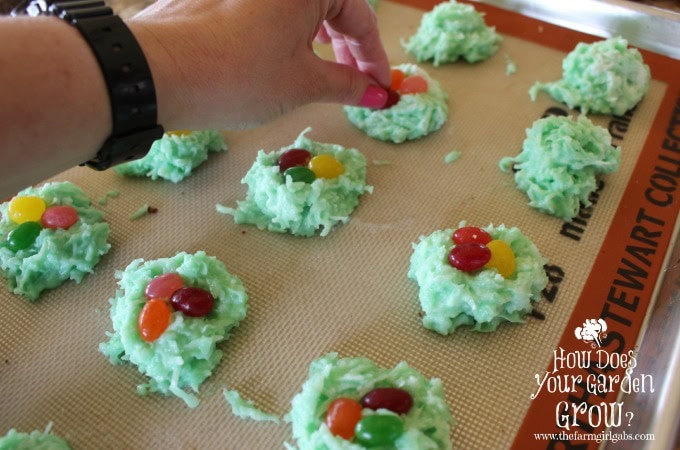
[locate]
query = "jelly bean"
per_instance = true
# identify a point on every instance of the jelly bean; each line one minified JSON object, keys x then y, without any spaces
{"x":163,"y":286}
{"x":397,"y":77}
{"x":393,"y":98}
{"x":502,"y":258}
{"x":471,"y":234}
{"x":378,"y":429}
{"x":342,"y":417}
{"x":415,"y":84}
{"x":293,"y":157}
{"x":299,"y":173}
{"x":178,"y":133}
{"x":470,"y":256}
{"x":154,"y":319}
{"x":193,"y":301}
{"x":23,"y":236}
{"x":394,"y":399}
{"x":326,"y":166}
{"x":28,"y":208}
{"x":59,"y":216}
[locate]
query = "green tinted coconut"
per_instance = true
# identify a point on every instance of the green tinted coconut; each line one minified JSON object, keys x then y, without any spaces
{"x":174,"y":156}
{"x":186,"y":353}
{"x":56,"y":255}
{"x":452,"y":31}
{"x":35,"y":440}
{"x":560,"y":160}
{"x":605,"y":77}
{"x":483,"y":299}
{"x":246,"y":409}
{"x":414,"y":116}
{"x":426,"y":425}
{"x":278,"y":204}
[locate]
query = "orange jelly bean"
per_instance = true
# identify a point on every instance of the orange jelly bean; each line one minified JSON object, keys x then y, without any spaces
{"x":415,"y":84}
{"x":154,"y":319}
{"x":397,"y":77}
{"x":342,"y":417}
{"x":326,"y":166}
{"x":502,"y":258}
{"x":28,"y":208}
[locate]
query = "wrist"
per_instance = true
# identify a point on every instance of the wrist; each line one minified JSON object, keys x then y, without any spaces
{"x":160,"y":64}
{"x":194,"y":72}
{"x":125,"y":70}
{"x":55,"y":111}
{"x":78,"y":88}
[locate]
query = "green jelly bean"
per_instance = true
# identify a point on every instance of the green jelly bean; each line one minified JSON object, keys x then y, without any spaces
{"x":378,"y":430}
{"x":23,"y":236}
{"x":300,"y":173}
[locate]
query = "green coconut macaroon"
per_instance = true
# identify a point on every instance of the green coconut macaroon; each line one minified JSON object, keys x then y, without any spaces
{"x":175,"y":155}
{"x":246,"y":409}
{"x":605,"y":77}
{"x":483,"y":298}
{"x":412,"y":117}
{"x":300,"y":202}
{"x":35,"y":440}
{"x":560,"y":160}
{"x":416,"y":416}
{"x":185,"y":353}
{"x":452,"y":31}
{"x":50,"y":234}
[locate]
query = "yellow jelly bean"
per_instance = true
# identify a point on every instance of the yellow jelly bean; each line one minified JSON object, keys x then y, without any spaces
{"x":502,"y":258}
{"x":28,"y":208}
{"x":178,"y":133}
{"x":326,"y":166}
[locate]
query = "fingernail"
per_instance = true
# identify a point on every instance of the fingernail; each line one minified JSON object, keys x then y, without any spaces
{"x":374,"y":97}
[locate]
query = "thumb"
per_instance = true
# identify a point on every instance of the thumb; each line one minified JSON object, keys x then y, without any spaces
{"x":341,"y":83}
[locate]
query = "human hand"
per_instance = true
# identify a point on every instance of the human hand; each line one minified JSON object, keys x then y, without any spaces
{"x":239,"y":63}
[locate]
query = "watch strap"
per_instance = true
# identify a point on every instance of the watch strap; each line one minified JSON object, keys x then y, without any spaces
{"x":126,"y":73}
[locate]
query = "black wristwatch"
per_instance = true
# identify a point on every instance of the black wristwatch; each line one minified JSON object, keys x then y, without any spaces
{"x":126,"y":72}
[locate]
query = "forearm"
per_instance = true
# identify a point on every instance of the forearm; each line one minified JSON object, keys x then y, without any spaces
{"x":54,"y":108}
{"x":223,"y":64}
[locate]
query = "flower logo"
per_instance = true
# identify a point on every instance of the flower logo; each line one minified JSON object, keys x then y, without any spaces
{"x":592,"y":331}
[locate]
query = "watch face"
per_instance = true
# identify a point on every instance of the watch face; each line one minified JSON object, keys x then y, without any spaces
{"x":31,"y":8}
{"x":36,"y":8}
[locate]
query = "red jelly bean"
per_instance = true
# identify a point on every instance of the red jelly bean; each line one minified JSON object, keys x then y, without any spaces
{"x":415,"y":84}
{"x":154,"y":319}
{"x":393,"y":98}
{"x":471,"y":234}
{"x":342,"y":417}
{"x":470,"y":256}
{"x":59,"y":216}
{"x":394,"y":399}
{"x":163,"y":286}
{"x":293,"y":158}
{"x":193,"y":301}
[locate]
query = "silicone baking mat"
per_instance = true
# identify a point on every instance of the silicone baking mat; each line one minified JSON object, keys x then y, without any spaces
{"x":348,"y":292}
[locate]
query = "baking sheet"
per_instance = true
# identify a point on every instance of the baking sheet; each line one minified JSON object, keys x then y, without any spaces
{"x":347,"y":292}
{"x":644,"y":26}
